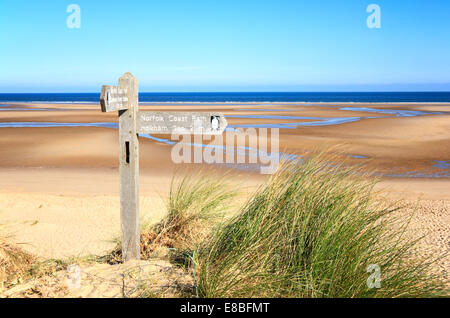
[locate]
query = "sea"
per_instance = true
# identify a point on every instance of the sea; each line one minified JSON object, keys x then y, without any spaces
{"x":241,"y":97}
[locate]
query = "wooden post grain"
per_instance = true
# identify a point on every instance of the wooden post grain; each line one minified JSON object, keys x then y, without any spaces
{"x":129,"y":170}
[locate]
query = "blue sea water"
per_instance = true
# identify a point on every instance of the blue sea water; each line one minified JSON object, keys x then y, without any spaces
{"x":363,"y":97}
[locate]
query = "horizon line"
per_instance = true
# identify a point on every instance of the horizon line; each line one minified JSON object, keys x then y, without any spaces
{"x":233,"y":92}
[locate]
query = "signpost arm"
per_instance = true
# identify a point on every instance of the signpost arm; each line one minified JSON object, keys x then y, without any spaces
{"x":129,"y":170}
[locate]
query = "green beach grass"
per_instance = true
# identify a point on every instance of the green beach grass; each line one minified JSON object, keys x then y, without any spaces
{"x":312,"y":230}
{"x":196,"y":203}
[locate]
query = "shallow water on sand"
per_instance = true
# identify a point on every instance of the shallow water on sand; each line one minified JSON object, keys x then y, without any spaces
{"x":443,"y":166}
{"x":396,"y":112}
{"x":321,"y":121}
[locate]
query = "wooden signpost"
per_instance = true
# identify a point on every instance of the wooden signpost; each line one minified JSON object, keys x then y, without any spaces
{"x":124,"y":99}
{"x":113,"y":98}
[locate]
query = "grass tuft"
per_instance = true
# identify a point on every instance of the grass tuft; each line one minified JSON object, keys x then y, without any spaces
{"x":313,"y":230}
{"x":196,"y":202}
{"x":14,"y":262}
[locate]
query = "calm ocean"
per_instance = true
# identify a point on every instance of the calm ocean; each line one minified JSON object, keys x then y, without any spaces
{"x":372,"y":97}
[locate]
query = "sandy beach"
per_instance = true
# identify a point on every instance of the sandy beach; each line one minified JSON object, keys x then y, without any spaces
{"x":59,"y":186}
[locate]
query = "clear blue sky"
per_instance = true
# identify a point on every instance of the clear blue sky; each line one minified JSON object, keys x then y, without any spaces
{"x":228,"y":45}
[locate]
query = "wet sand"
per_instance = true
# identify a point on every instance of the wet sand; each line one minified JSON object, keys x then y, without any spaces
{"x":59,"y":185}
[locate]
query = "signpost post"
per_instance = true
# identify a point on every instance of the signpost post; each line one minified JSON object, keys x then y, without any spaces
{"x":124,"y":99}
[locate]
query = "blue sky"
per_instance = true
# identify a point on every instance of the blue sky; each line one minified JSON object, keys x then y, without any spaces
{"x":245,"y":45}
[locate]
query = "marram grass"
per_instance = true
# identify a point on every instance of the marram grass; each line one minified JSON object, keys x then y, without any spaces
{"x":14,"y":261}
{"x":312,"y":231}
{"x":195,"y":205}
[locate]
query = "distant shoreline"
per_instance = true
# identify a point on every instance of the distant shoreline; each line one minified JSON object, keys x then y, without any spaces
{"x":3,"y":103}
{"x":239,"y":97}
